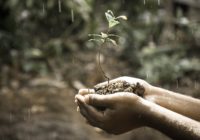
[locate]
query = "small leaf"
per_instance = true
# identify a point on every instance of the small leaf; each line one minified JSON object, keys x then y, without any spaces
{"x":94,"y":35}
{"x":122,"y":17}
{"x":90,"y":35}
{"x":102,"y":40}
{"x":104,"y":35}
{"x":113,"y":23}
{"x":95,"y":40}
{"x":112,"y":41}
{"x":113,"y":35}
{"x":92,"y":40}
{"x":109,"y":17}
{"x":110,"y":12}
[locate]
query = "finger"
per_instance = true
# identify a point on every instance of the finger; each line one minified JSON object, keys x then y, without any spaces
{"x":78,"y":109}
{"x":94,"y":124}
{"x":100,"y":100}
{"x":83,"y":112}
{"x":75,"y":100}
{"x":108,"y":101}
{"x":89,"y":118}
{"x":86,"y":91}
{"x":90,"y":111}
{"x":81,"y":97}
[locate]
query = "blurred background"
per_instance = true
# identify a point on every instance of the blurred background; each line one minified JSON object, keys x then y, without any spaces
{"x":45,"y":57}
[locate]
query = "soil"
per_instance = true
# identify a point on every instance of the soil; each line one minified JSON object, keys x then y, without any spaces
{"x":120,"y":86}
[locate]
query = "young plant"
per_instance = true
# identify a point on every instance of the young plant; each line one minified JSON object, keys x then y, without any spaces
{"x":104,"y":38}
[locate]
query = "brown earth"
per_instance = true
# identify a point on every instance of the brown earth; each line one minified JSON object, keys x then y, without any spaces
{"x":120,"y":86}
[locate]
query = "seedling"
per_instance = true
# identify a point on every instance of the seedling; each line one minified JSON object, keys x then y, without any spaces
{"x":104,"y":38}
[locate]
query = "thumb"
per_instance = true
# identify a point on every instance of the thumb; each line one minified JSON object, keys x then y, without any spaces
{"x":86,"y":91}
{"x":99,"y":100}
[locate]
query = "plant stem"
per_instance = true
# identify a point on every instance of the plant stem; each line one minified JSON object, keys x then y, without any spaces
{"x":99,"y":64}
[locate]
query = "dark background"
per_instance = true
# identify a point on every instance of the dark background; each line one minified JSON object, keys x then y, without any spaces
{"x":46,"y":57}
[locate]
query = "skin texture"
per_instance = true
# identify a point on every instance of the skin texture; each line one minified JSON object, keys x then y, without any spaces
{"x":126,"y":111}
{"x":176,"y":102}
{"x":117,"y":110}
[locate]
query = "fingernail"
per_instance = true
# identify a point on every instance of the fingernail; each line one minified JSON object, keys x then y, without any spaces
{"x":77,"y":97}
{"x":80,"y":98}
{"x":85,"y":91}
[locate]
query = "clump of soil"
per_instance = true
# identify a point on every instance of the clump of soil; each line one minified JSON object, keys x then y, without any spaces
{"x":120,"y":86}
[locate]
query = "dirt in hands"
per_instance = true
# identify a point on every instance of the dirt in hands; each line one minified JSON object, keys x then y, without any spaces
{"x":120,"y":86}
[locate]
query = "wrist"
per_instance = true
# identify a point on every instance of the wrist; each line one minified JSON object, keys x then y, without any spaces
{"x":151,"y":114}
{"x":149,"y":89}
{"x":171,"y":123}
{"x":152,"y":93}
{"x":146,"y":115}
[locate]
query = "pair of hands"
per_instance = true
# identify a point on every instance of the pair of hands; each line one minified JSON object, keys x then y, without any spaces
{"x":123,"y":111}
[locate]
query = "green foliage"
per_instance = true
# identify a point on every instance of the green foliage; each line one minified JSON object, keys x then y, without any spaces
{"x":112,"y":20}
{"x":160,"y":67}
{"x":106,"y":37}
{"x":37,"y":33}
{"x":160,"y":70}
{"x":41,"y":26}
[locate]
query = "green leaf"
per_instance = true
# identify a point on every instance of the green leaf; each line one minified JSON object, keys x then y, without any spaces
{"x":122,"y":17}
{"x":112,"y":41}
{"x":102,"y":40}
{"x":92,"y":40}
{"x":110,"y":12}
{"x":104,"y":35}
{"x":109,"y":15}
{"x":113,"y":35}
{"x":94,"y":35}
{"x":113,"y":23}
{"x":111,"y":19}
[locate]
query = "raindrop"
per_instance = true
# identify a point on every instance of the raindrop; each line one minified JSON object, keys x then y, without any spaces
{"x":73,"y":60}
{"x":43,"y":7}
{"x":72,"y":15}
{"x":195,"y":84}
{"x":158,"y":2}
{"x":59,"y":6}
{"x":192,"y":30}
{"x":147,"y":75}
{"x":10,"y":117}
{"x":29,"y":114}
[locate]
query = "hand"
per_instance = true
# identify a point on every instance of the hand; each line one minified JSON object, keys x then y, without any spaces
{"x":124,"y":111}
{"x":130,"y":80}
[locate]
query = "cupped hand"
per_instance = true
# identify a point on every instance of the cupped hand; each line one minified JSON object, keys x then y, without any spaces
{"x":123,"y":111}
{"x":130,"y":80}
